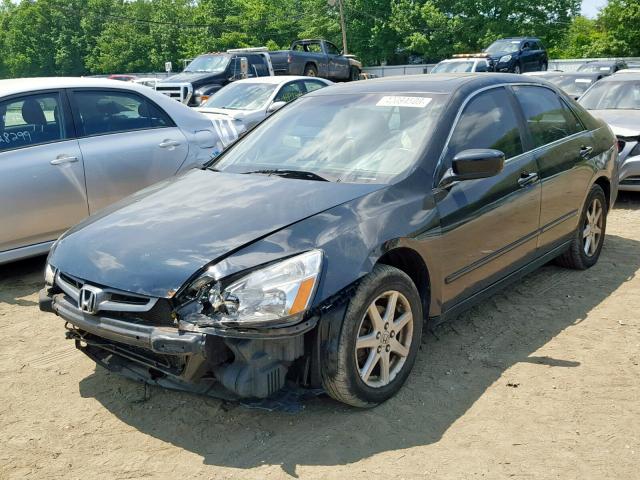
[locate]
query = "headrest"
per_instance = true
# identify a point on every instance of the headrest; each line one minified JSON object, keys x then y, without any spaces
{"x":32,"y":112}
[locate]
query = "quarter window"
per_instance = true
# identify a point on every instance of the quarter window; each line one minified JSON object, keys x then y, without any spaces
{"x":312,"y":85}
{"x":548,"y":118}
{"x":289,"y":92}
{"x":488,"y":121}
{"x":31,"y":120}
{"x":103,"y":112}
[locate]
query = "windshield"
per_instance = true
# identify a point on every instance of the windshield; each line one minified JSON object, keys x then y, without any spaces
{"x":365,"y":138}
{"x":595,"y":68}
{"x":504,"y":46}
{"x":613,"y":95}
{"x":454,"y":67}
{"x":208,"y":64}
{"x":571,"y":85}
{"x":242,"y":96}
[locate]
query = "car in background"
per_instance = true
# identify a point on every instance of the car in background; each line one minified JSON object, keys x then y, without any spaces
{"x":518,"y":55}
{"x":464,"y":63}
{"x":616,"y":100}
{"x":122,"y":77}
{"x":241,"y":105}
{"x":71,"y":146}
{"x":150,"y":82}
{"x":314,"y":248}
{"x":573,"y":84}
{"x":316,"y":58}
{"x":604,"y":67}
{"x":208,"y":73}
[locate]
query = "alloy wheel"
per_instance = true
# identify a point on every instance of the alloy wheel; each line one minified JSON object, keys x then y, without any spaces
{"x":592,"y":231}
{"x":384,"y":339}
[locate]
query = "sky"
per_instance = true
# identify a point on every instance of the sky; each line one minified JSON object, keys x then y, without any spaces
{"x":590,"y":7}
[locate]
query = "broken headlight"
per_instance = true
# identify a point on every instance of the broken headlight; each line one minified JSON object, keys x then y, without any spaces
{"x":277,"y":294}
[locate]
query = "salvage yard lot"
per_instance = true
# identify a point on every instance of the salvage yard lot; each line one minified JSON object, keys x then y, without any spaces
{"x":540,"y":381}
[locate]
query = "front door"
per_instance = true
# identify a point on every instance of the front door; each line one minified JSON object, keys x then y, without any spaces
{"x":489,"y":226}
{"x":127,"y":143}
{"x":42,"y":189}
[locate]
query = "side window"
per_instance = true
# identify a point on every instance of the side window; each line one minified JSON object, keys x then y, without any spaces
{"x":548,"y":118}
{"x":103,"y":112}
{"x":289,"y":92}
{"x":488,"y":121}
{"x":482,"y":66}
{"x":314,"y":48}
{"x":332,"y":49}
{"x":311,"y":85}
{"x":31,"y":120}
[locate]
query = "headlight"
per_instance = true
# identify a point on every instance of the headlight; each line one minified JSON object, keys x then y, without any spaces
{"x":505,"y":59}
{"x":277,"y":294}
{"x":49,"y":275}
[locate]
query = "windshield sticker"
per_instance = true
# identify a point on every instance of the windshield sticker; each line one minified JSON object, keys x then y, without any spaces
{"x":604,"y":69}
{"x":583,"y":80}
{"x":12,"y":137}
{"x":413,"y":102}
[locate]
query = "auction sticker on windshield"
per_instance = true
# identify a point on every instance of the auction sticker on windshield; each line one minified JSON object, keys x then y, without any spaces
{"x":395,"y":101}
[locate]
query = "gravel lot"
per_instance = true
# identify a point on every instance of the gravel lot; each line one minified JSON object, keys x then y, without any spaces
{"x":540,"y":381}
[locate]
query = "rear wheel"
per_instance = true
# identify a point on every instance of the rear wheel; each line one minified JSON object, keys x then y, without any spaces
{"x":586,"y":245}
{"x":355,"y":74}
{"x":379,"y":340}
{"x":544,"y":67}
{"x":310,"y":71}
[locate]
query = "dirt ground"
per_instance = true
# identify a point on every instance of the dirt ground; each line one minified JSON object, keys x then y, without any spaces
{"x":540,"y":381}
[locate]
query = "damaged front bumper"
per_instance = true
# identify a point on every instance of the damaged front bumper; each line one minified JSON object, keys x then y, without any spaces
{"x":225,"y":363}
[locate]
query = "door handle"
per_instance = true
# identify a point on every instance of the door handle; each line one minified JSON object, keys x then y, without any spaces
{"x":62,"y":159}
{"x":169,"y":144}
{"x":527,"y":178}
{"x":585,"y":151}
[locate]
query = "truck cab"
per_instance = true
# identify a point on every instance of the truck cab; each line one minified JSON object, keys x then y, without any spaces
{"x":208,"y":73}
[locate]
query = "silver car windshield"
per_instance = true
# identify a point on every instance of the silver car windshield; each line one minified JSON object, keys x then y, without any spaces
{"x":242,"y":96}
{"x":612,"y":95}
{"x":208,"y":64}
{"x":363,"y":138}
{"x":454,"y":67}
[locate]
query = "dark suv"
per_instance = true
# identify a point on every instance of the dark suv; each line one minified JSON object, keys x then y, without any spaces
{"x":518,"y":55}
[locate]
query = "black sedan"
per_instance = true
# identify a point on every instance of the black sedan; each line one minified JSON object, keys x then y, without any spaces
{"x":313,"y":249}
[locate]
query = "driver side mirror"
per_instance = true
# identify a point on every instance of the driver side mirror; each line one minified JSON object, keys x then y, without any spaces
{"x":472,"y":165}
{"x":275,"y":106}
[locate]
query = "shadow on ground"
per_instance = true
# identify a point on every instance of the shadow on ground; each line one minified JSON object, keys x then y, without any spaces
{"x":458,"y":362}
{"x":21,"y":279}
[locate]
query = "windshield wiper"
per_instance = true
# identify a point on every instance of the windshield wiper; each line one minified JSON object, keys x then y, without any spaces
{"x":299,"y":174}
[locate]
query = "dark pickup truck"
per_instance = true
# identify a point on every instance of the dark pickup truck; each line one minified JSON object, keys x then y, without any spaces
{"x":316,"y":58}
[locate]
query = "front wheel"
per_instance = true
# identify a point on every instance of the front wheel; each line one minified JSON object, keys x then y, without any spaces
{"x":587,"y":242}
{"x":378,"y":342}
{"x":517,"y":69}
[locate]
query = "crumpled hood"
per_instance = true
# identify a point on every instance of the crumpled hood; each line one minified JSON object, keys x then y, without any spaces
{"x":624,"y":123}
{"x":153,"y":242}
{"x":223,"y":113}
{"x":228,"y":126}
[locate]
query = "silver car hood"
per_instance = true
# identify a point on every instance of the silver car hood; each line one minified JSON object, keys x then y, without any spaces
{"x":624,"y":123}
{"x":228,"y":124}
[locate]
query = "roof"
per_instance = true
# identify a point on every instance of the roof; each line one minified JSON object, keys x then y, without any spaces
{"x":518,"y":38}
{"x":279,"y":79}
{"x":428,"y":83}
{"x":22,"y":85}
{"x":551,"y":73}
{"x":624,"y":77}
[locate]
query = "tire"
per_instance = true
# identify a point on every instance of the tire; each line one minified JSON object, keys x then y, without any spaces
{"x":354,"y":75}
{"x":544,"y":67}
{"x":517,"y":69}
{"x":310,"y":70}
{"x":582,"y":254}
{"x":346,"y":381}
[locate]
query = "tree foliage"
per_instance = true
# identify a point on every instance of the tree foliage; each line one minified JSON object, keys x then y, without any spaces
{"x":78,"y":37}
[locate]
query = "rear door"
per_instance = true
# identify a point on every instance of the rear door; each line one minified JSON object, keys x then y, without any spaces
{"x":127,"y":143}
{"x":489,"y":226}
{"x":42,"y":185}
{"x":562,"y":148}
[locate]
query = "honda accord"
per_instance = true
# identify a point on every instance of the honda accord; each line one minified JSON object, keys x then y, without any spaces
{"x":312,"y":250}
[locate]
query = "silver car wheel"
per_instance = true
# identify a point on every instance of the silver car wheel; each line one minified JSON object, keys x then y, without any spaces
{"x":593,"y":228}
{"x":384,"y":339}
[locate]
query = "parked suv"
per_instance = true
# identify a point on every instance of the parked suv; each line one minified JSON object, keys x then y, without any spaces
{"x":208,"y":73}
{"x":518,"y":55}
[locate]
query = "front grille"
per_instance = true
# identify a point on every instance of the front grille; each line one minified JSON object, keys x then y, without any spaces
{"x":181,"y":92}
{"x":633,"y":180}
{"x":103,"y":299}
{"x":158,"y":316}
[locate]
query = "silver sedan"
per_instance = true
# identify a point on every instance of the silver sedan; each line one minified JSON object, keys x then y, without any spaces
{"x":71,"y":146}
{"x":241,"y":105}
{"x":616,"y":100}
